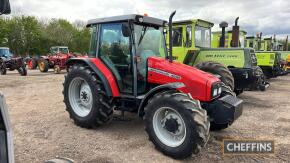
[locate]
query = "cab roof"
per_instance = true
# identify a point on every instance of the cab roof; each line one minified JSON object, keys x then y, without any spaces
{"x":132,"y":17}
{"x":4,"y":48}
{"x":197,"y":21}
{"x":59,"y":47}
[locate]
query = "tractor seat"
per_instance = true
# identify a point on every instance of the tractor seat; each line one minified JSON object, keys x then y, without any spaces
{"x":113,"y":69}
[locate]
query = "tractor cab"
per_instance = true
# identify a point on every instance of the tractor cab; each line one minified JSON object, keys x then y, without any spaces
{"x":123,"y":42}
{"x":59,"y":50}
{"x":190,"y":35}
{"x":5,"y":52}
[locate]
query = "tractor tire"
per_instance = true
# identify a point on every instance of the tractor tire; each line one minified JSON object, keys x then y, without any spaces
{"x":3,"y":69}
{"x":176,"y":124}
{"x":22,"y":71}
{"x":32,"y":63}
{"x":85,"y":98}
{"x":43,"y":65}
{"x":215,"y":68}
{"x":217,"y":127}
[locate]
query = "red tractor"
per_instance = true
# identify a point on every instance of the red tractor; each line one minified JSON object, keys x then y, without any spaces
{"x":56,"y":60}
{"x":129,"y":69}
{"x":9,"y":62}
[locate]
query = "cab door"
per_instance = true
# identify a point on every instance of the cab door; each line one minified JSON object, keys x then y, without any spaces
{"x":178,"y":46}
{"x":115,"y":53}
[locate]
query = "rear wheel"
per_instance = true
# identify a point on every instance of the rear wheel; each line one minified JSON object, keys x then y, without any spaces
{"x":43,"y":65}
{"x":85,"y":99}
{"x":32,"y":64}
{"x":176,"y":124}
{"x":223,"y":73}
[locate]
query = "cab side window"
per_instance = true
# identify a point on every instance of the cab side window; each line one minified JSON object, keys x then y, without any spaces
{"x":177,"y":36}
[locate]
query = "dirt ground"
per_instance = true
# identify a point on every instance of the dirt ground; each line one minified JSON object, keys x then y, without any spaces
{"x":43,"y":130}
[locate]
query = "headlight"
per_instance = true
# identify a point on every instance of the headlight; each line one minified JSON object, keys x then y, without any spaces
{"x":216,"y":90}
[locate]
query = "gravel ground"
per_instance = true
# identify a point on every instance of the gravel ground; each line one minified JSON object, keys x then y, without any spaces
{"x":43,"y":130}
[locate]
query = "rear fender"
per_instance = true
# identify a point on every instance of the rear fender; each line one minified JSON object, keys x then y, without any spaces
{"x":152,"y":92}
{"x":103,"y":73}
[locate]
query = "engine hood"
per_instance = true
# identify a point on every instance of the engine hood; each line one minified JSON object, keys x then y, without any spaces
{"x":198,"y":83}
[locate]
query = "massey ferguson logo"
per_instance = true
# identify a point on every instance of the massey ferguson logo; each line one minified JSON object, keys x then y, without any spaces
{"x":164,"y":73}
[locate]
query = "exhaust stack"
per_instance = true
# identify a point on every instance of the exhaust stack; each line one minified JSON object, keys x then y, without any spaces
{"x":170,"y":35}
{"x":223,"y":26}
{"x":259,"y":36}
{"x":235,"y":34}
{"x":286,"y":44}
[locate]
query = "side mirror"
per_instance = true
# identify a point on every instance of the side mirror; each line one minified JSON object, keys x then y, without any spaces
{"x":5,"y":7}
{"x":125,"y":30}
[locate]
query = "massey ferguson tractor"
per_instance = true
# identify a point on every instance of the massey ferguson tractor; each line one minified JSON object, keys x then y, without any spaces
{"x":56,"y":60}
{"x":130,"y":69}
{"x":8,"y":62}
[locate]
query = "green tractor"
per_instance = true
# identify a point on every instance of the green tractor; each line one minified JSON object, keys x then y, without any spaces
{"x":270,"y":55}
{"x":236,"y":67}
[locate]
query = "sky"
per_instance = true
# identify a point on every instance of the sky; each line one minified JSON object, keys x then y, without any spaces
{"x":267,"y":16}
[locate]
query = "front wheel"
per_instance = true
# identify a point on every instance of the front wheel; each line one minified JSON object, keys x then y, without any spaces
{"x":22,"y":71}
{"x":176,"y":124}
{"x":85,"y":99}
{"x":56,"y":69}
{"x":3,"y":69}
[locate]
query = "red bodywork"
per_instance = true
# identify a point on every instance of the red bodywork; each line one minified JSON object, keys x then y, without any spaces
{"x":58,"y":59}
{"x":197,"y":82}
{"x":108,"y":75}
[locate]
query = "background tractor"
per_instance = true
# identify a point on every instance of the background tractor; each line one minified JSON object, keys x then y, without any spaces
{"x":270,"y":55}
{"x":56,"y":59}
{"x":236,"y":67}
{"x":125,"y":71}
{"x":8,"y":62}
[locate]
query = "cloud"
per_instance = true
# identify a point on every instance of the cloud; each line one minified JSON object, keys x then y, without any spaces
{"x":265,"y":16}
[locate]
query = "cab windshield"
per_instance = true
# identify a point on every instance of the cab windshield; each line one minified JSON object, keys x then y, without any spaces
{"x":202,"y":37}
{"x":55,"y":50}
{"x":149,"y":41}
{"x":5,"y":53}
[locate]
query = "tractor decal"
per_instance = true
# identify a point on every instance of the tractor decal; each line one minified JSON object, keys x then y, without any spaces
{"x":164,"y":73}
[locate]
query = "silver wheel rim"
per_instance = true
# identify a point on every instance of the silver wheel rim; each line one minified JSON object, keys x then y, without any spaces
{"x":80,"y":97}
{"x":171,"y":139}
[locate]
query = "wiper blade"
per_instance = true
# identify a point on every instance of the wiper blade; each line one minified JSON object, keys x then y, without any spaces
{"x":144,"y":29}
